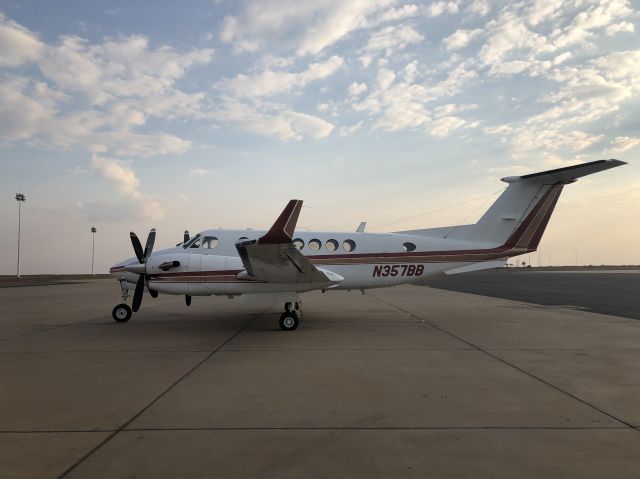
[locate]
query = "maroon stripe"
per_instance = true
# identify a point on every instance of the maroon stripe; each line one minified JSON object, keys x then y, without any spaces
{"x":517,"y":234}
{"x":537,"y":236}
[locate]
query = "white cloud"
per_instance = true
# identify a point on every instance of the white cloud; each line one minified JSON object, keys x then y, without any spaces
{"x":268,"y":83}
{"x":620,"y":27}
{"x":198,"y":172}
{"x":356,"y":89}
{"x":305,"y":27}
{"x":393,"y":38}
{"x":366,"y":60}
{"x":435,"y":9}
{"x":126,"y":182}
{"x":97,"y":95}
{"x":444,"y":126}
{"x":481,"y":7}
{"x":271,"y":120}
{"x":461,"y":38}
{"x":18,"y":45}
{"x":399,"y":13}
{"x":624,"y":143}
{"x":26,"y":107}
{"x":350,"y":130}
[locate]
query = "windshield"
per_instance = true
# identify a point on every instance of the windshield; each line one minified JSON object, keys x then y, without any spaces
{"x":193,"y":240}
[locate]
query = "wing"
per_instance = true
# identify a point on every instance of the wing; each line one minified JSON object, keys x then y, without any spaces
{"x":273,"y":258}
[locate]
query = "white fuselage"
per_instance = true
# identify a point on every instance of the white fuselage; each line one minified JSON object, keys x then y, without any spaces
{"x":364,"y":260}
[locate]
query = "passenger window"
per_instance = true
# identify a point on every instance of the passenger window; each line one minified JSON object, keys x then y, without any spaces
{"x":298,"y":243}
{"x":331,"y":245}
{"x":408,"y":246}
{"x":349,"y":245}
{"x":210,"y":242}
{"x":315,"y":244}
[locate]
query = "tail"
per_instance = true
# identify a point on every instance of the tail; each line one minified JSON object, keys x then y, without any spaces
{"x":521,"y":213}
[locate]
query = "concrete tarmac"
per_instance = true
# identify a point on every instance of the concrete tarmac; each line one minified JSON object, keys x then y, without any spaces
{"x":403,"y":382}
{"x":615,"y":292}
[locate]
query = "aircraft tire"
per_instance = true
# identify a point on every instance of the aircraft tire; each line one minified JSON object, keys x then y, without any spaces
{"x":288,"y":321}
{"x":121,"y":313}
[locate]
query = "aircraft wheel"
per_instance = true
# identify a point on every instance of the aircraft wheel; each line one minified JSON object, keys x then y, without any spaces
{"x":288,"y":321}
{"x":121,"y":313}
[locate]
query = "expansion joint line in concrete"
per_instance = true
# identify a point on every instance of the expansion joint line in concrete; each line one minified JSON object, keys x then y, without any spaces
{"x":507,"y":363}
{"x":120,"y":429}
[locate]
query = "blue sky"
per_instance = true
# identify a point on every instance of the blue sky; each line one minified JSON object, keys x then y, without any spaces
{"x":199,"y":114}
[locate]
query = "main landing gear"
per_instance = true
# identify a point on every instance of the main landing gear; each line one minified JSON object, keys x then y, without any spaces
{"x":122,"y":312}
{"x":291,"y":317}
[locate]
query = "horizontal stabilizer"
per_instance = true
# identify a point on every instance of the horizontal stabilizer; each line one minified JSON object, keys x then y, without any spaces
{"x":566,"y":175}
{"x":500,"y":263}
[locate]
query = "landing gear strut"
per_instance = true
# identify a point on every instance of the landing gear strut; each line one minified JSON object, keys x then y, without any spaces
{"x":291,"y":317}
{"x":122,"y":312}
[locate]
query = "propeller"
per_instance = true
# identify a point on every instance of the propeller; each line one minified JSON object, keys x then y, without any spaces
{"x":186,"y":236}
{"x":143,"y":256}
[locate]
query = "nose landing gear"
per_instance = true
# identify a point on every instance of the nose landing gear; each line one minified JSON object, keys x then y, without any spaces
{"x":122,"y":312}
{"x":291,"y":317}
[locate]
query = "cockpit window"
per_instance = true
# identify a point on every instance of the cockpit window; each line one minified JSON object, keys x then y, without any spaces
{"x":210,"y":242}
{"x":192,"y":243}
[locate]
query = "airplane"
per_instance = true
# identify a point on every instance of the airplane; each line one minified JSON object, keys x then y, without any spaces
{"x":282,"y":263}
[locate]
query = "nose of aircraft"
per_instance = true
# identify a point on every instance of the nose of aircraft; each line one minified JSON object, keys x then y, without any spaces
{"x":119,"y":270}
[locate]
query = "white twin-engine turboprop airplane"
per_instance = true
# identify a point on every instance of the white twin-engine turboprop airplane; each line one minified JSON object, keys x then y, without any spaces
{"x":283,"y":262}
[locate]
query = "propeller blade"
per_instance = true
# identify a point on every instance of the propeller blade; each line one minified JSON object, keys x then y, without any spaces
{"x":153,"y":293}
{"x":137,"y":296}
{"x":151,"y":239}
{"x":186,"y":236}
{"x":137,"y":247}
{"x":187,"y":299}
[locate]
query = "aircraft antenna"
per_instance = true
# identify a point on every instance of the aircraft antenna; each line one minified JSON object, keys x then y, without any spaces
{"x":439,"y":209}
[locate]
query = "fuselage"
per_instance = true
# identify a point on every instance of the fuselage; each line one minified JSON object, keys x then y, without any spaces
{"x":210,"y":263}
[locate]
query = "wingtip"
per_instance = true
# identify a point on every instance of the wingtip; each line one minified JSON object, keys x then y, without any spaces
{"x":617,"y":162}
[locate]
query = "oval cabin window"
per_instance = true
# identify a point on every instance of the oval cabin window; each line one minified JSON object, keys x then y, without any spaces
{"x":331,"y":245}
{"x":349,"y":245}
{"x":298,"y":243}
{"x":315,"y":244}
{"x":408,"y":246}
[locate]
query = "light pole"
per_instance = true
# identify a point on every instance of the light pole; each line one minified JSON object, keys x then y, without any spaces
{"x":20,"y":198}
{"x":93,"y":246}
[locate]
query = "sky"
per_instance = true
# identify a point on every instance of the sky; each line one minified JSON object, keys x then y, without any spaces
{"x":204,"y":114}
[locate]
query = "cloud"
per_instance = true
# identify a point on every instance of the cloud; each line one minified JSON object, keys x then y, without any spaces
{"x":481,"y":7}
{"x":349,"y":130}
{"x":624,"y":143}
{"x":269,"y":83}
{"x":18,"y":45}
{"x":461,"y":38}
{"x":436,"y":9}
{"x":356,"y":89}
{"x":26,"y":107}
{"x":123,"y":177}
{"x":198,"y":172}
{"x":271,"y":120}
{"x":393,"y":38}
{"x":96,"y":95}
{"x":307,"y":28}
{"x":399,"y":13}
